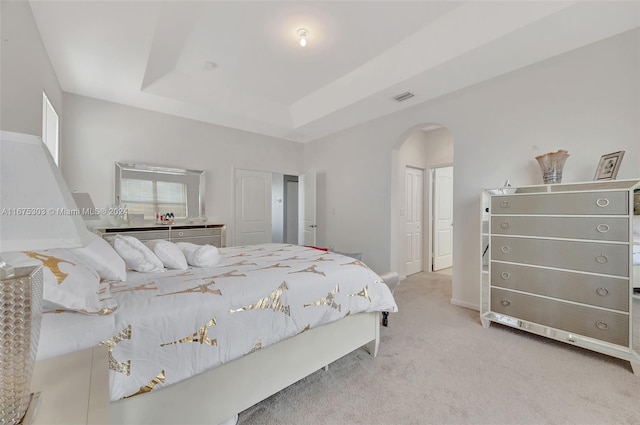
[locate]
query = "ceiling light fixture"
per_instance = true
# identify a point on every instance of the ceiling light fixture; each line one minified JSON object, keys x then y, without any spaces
{"x":303,"y":33}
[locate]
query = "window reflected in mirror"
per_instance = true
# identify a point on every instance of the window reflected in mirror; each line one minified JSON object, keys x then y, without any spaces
{"x":153,"y":191}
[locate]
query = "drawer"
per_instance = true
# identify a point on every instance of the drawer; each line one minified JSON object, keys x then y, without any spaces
{"x":203,"y":231}
{"x":586,"y":321}
{"x":143,"y":236}
{"x":594,"y":228}
{"x":608,"y":292}
{"x":579,"y":203}
{"x":203,"y":240}
{"x":595,"y":257}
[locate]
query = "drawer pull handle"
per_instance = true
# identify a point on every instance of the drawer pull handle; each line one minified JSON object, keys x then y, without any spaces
{"x":505,"y":225}
{"x":180,"y":233}
{"x":603,"y":292}
{"x":602,"y":259}
{"x":505,"y":275}
{"x":602,"y":228}
{"x":505,"y":204}
{"x":505,"y":249}
{"x":505,"y":303}
{"x":603,"y":326}
{"x":602,"y":202}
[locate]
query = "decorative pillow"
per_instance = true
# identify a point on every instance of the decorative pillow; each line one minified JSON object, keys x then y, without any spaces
{"x":101,"y":257}
{"x":170,"y":255}
{"x":136,"y":255}
{"x":68,"y":283}
{"x":199,"y":255}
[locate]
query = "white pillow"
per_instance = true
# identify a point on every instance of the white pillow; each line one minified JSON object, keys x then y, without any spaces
{"x":170,"y":255}
{"x":101,"y":257}
{"x":68,"y":283}
{"x":199,"y":255}
{"x":136,"y":255}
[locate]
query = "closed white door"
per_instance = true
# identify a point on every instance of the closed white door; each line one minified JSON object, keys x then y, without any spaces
{"x":414,"y":178}
{"x":307,"y":209}
{"x":442,"y":218}
{"x":253,"y":207}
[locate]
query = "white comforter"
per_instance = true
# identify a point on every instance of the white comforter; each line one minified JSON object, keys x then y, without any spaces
{"x":173,"y":325}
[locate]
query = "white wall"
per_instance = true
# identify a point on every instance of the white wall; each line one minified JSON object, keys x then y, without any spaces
{"x":424,"y":150}
{"x":98,"y":133}
{"x":586,"y":101}
{"x":25,"y":71}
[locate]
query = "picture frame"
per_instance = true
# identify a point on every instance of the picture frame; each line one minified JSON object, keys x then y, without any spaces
{"x":608,"y":166}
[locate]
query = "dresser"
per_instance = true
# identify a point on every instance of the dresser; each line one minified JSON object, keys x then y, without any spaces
{"x":557,"y":260}
{"x":201,"y":234}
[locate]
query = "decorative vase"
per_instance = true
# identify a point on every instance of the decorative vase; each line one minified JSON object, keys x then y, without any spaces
{"x":551,"y":164}
{"x":21,"y":301}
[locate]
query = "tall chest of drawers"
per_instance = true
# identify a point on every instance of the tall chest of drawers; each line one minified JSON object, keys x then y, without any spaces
{"x":557,"y":260}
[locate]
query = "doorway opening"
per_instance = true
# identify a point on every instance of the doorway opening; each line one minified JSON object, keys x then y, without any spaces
{"x":422,"y":203}
{"x":274,"y":207}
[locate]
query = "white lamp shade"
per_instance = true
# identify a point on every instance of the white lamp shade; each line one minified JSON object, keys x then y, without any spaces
{"x":37,"y":210}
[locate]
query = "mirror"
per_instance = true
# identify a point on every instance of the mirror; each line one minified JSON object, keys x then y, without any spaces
{"x":152,"y":191}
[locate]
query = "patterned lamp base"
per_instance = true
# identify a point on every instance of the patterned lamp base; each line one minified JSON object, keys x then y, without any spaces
{"x":20,"y":316}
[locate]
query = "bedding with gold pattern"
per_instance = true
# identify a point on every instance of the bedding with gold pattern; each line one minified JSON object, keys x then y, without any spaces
{"x":176,"y":324}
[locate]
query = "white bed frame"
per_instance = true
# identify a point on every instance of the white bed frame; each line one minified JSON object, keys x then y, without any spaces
{"x":218,"y":394}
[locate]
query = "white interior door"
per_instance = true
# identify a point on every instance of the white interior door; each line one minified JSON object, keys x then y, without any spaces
{"x":413,"y":212}
{"x":307,"y":209}
{"x":253,"y":207}
{"x":442,"y":218}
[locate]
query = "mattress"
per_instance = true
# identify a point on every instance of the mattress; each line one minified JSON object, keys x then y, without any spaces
{"x":173,"y":325}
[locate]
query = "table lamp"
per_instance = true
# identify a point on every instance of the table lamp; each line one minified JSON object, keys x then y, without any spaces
{"x":37,"y":212}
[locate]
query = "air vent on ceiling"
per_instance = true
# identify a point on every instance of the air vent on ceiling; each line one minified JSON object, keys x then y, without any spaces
{"x":404,"y":96}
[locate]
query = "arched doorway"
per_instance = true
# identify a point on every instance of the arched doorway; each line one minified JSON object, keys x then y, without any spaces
{"x":419,"y":152}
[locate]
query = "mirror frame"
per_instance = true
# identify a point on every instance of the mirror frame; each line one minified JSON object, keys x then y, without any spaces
{"x":194,"y":179}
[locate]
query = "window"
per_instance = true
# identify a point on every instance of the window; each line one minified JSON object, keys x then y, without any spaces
{"x":50,"y":127}
{"x":151,"y":197}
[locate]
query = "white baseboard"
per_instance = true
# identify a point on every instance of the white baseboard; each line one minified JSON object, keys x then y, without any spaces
{"x":465,"y":304}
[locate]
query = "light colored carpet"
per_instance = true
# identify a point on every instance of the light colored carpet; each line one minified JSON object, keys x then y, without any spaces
{"x":438,"y":365}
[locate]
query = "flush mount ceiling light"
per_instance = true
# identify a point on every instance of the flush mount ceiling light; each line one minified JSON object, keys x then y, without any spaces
{"x":303,"y":33}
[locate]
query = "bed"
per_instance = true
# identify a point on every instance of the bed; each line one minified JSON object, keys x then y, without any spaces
{"x":202,"y":344}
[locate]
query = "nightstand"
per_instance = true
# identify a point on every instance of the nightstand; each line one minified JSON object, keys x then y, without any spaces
{"x":74,"y":388}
